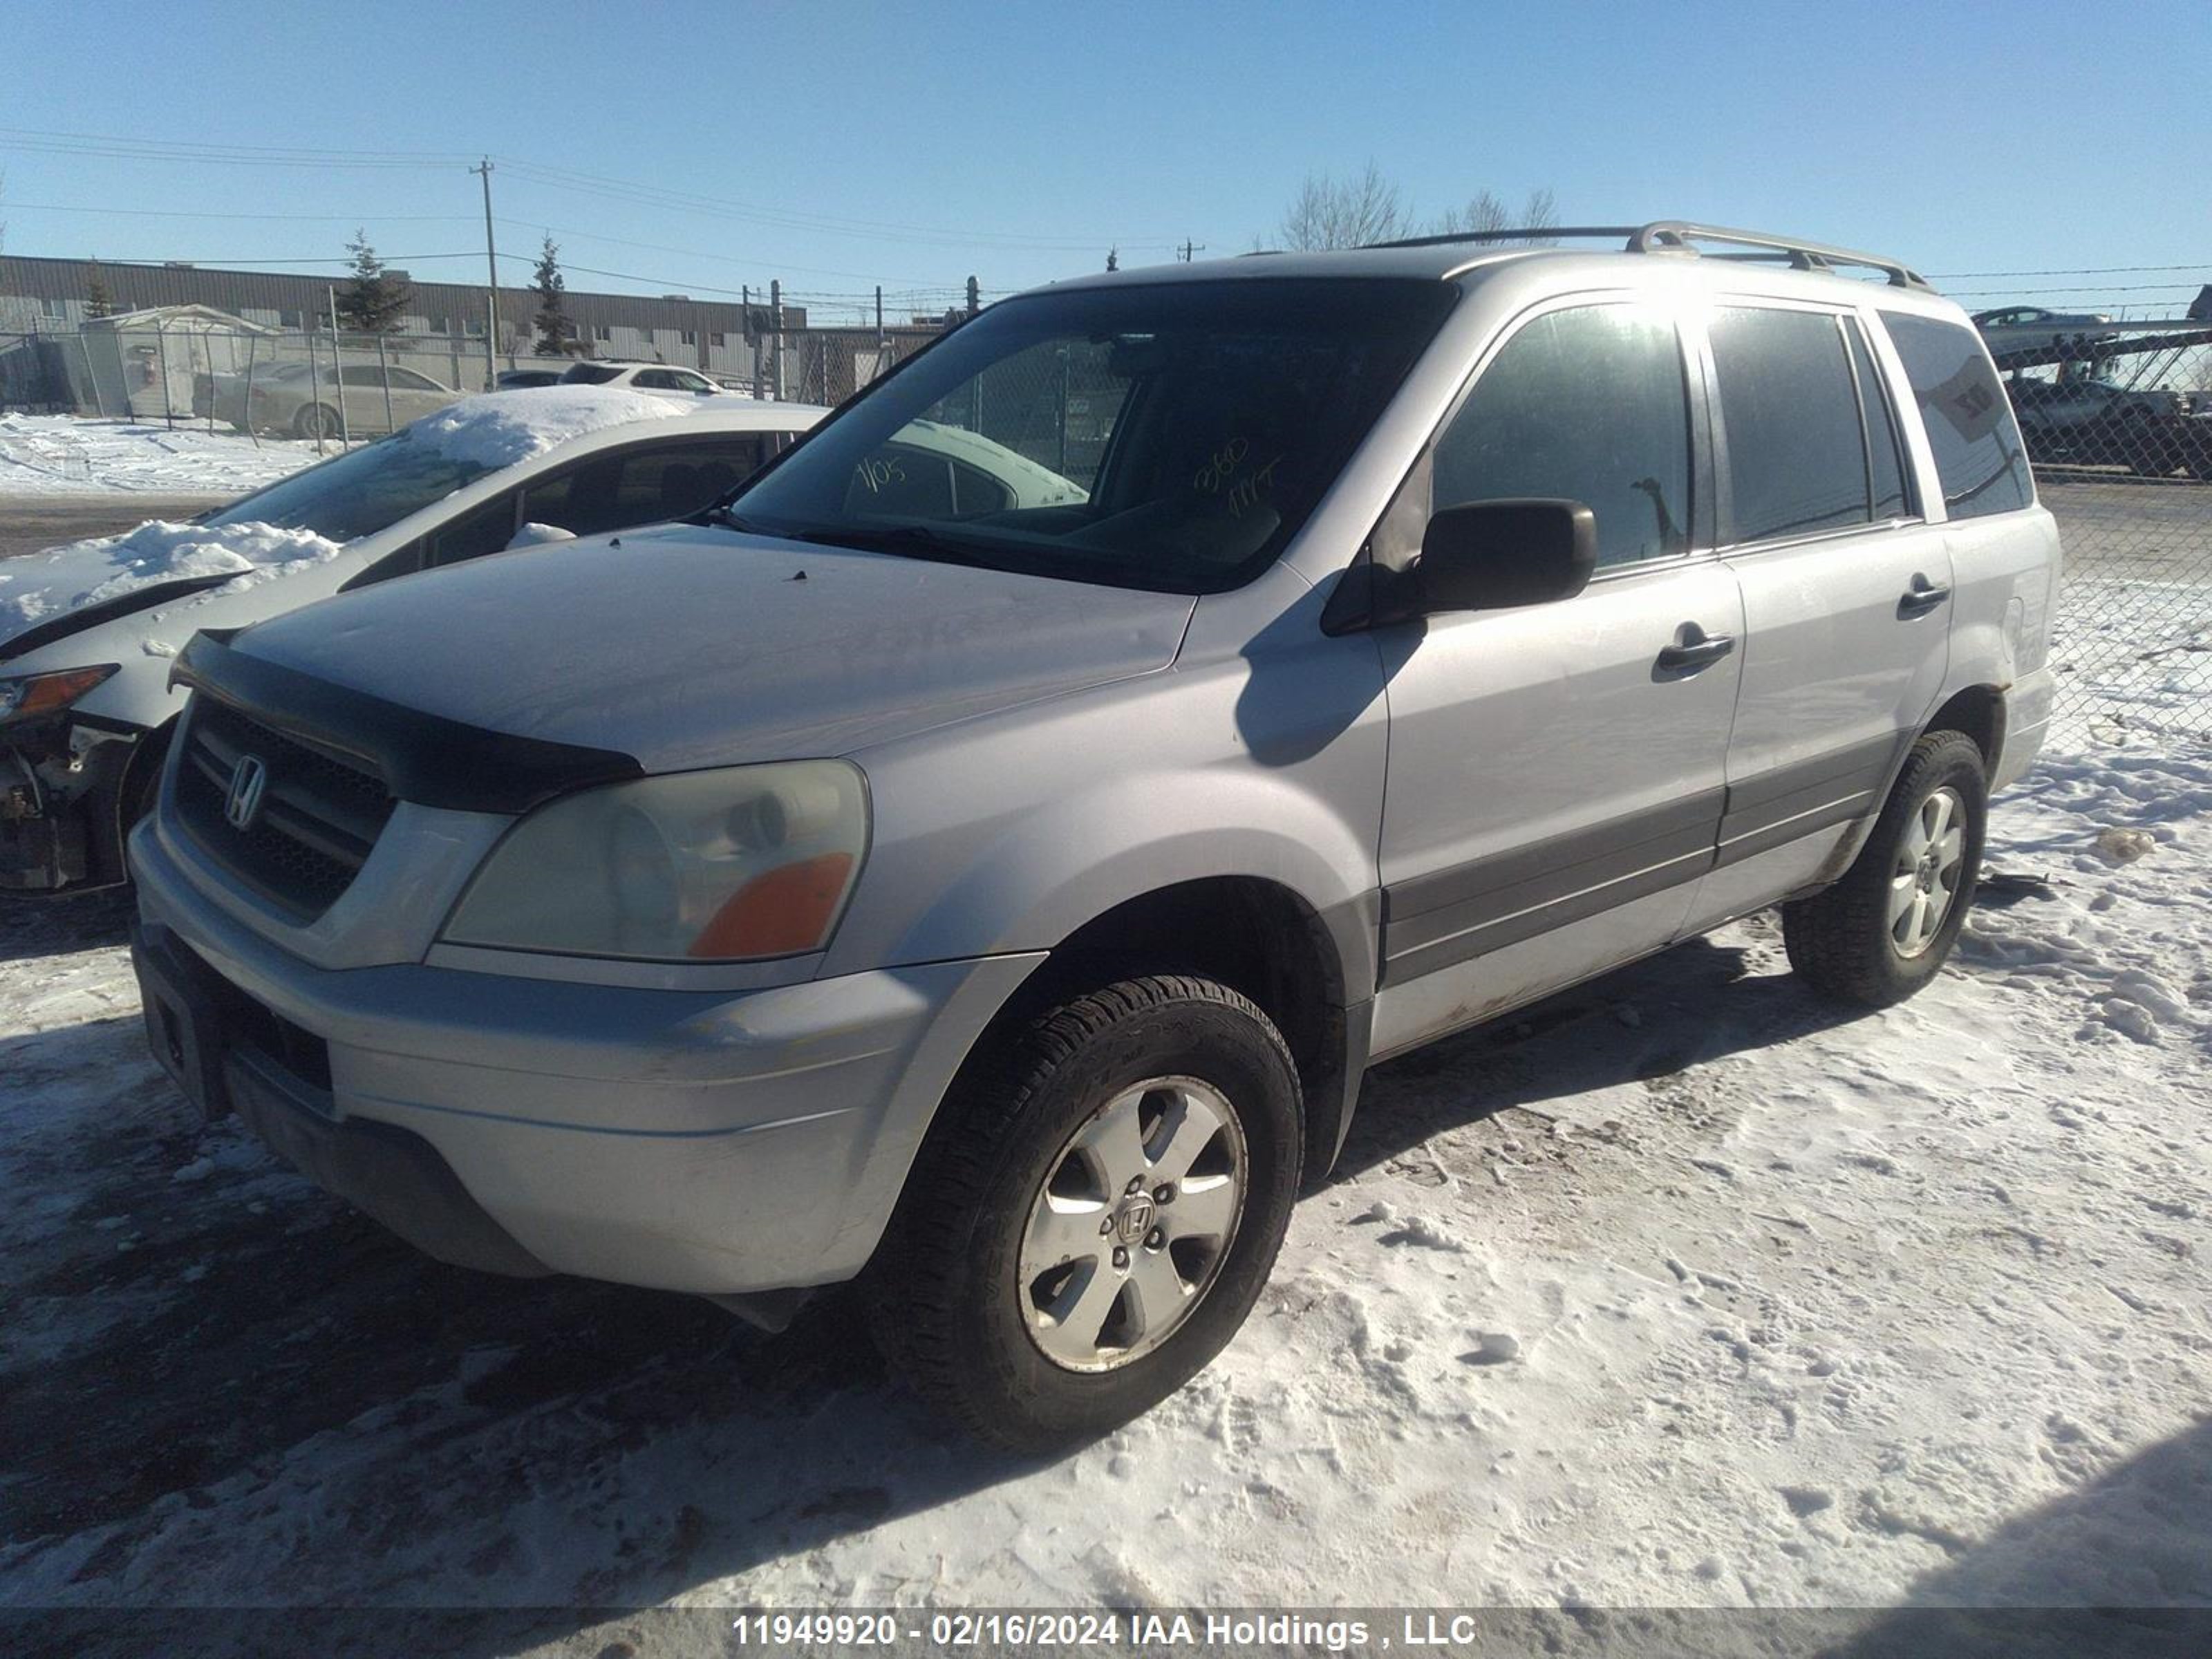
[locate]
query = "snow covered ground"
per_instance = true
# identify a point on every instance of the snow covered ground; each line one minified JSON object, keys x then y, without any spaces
{"x":1685,"y":1289}
{"x":61,"y":454}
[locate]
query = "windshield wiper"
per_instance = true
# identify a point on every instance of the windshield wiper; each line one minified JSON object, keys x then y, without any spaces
{"x":719,"y":514}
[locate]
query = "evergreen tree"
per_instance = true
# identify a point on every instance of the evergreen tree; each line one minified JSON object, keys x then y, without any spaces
{"x":372,"y":299}
{"x":555,"y":330}
{"x":98,"y":302}
{"x":1113,"y":258}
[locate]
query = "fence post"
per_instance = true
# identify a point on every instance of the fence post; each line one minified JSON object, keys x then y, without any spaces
{"x":246,"y":409}
{"x":775,"y":326}
{"x":162,"y":362}
{"x":314,"y":384}
{"x":338,"y":373}
{"x":91,"y":375}
{"x":383,"y":374}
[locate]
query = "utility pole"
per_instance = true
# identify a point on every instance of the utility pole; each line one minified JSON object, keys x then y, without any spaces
{"x":974,"y":297}
{"x":1189,"y":248}
{"x":491,"y":284}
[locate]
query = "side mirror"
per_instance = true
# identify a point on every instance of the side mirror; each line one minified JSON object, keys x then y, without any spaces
{"x":1492,"y":555}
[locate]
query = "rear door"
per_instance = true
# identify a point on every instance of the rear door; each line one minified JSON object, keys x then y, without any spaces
{"x":1846,"y":591}
{"x":1556,"y":776}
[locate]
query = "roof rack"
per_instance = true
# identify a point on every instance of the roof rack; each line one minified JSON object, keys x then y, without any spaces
{"x":1679,"y":236}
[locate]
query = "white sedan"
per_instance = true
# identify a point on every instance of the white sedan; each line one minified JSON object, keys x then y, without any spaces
{"x":87,"y":631}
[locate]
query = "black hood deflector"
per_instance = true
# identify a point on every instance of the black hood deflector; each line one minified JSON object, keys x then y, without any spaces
{"x":425,"y":758}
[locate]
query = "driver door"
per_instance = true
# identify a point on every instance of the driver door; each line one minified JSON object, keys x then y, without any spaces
{"x":1557,"y":771}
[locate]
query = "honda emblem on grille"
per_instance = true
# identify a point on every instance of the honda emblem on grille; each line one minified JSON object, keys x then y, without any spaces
{"x":242,"y":805}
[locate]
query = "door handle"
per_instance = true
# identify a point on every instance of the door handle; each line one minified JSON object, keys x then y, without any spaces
{"x":1699,"y":651}
{"x":1923,"y":597}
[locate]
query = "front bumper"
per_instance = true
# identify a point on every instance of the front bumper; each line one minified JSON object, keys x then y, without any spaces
{"x":728,"y":1144}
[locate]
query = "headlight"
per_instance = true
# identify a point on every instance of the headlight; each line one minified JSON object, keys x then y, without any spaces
{"x":33,"y":694}
{"x":730,"y":865}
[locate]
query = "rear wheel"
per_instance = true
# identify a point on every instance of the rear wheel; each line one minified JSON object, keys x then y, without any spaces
{"x":1886,"y":928}
{"x":1095,"y":1214}
{"x":316,"y":421}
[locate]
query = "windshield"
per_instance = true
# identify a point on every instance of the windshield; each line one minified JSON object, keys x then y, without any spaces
{"x":357,"y":494}
{"x":1171,"y":437}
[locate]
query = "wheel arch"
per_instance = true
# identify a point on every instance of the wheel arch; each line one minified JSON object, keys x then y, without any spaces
{"x":1253,"y":934}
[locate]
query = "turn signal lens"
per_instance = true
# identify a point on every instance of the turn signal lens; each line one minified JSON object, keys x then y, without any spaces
{"x":34,"y":695}
{"x":781,"y":913}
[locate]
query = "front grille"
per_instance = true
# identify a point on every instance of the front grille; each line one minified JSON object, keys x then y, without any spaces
{"x":319,"y":819}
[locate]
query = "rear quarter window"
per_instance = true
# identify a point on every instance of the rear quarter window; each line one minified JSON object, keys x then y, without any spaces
{"x":1977,"y":444}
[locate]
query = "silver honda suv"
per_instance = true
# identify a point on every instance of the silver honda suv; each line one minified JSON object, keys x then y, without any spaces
{"x":995,"y":892}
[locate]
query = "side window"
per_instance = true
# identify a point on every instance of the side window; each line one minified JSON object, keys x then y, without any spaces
{"x":693,"y":383}
{"x":649,"y":484}
{"x":487,"y":529}
{"x":412,"y":381}
{"x":1962,"y":404}
{"x":1587,"y":403}
{"x":1885,"y":463}
{"x":657,"y":380}
{"x":1796,"y":457}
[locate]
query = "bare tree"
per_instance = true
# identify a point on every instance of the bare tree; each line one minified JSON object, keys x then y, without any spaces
{"x":1330,"y":212}
{"x":1485,"y":212}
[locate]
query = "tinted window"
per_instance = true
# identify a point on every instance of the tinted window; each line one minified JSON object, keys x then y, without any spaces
{"x":649,"y":484}
{"x":1213,"y":416}
{"x":589,"y":373}
{"x":487,"y":530}
{"x":1885,"y":467}
{"x":1796,"y":459}
{"x":1588,"y":404}
{"x":358,"y":493}
{"x":1962,"y":404}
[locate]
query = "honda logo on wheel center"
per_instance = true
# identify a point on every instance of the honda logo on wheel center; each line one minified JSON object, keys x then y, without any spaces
{"x":1134,"y":1219}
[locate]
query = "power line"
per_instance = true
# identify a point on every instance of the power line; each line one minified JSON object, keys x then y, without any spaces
{"x":2067,"y":270}
{"x":116,"y":147}
{"x":2078,"y":287}
{"x":14,"y":206}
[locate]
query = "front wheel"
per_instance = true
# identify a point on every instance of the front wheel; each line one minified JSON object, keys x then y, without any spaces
{"x":1094,"y":1214}
{"x":1886,"y":928}
{"x":316,"y":421}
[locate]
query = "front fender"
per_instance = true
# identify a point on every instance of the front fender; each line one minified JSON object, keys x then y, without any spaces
{"x":1009,"y":834}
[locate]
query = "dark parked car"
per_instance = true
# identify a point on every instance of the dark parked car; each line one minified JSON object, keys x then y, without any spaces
{"x":2084,"y":421}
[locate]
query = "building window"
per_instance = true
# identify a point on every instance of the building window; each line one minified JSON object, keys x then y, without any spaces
{"x":441,"y":325}
{"x":689,"y":337}
{"x":475,"y":325}
{"x":718,"y":341}
{"x":288,"y":319}
{"x":602,"y":331}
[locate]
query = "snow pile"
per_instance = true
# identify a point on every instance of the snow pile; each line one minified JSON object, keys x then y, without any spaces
{"x":63,"y":455}
{"x":498,"y":428}
{"x":91,"y":573}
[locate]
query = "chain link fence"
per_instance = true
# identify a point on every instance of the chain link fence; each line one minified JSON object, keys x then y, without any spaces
{"x":2119,"y":430}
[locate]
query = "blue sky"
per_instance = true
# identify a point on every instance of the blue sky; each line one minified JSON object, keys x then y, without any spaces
{"x":846,"y":144}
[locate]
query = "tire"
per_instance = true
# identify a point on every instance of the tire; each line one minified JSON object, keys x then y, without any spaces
{"x":1850,"y":941}
{"x":964,"y":1291}
{"x":316,"y":421}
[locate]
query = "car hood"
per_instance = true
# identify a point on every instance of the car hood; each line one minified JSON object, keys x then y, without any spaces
{"x":49,"y":595}
{"x":688,"y":646}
